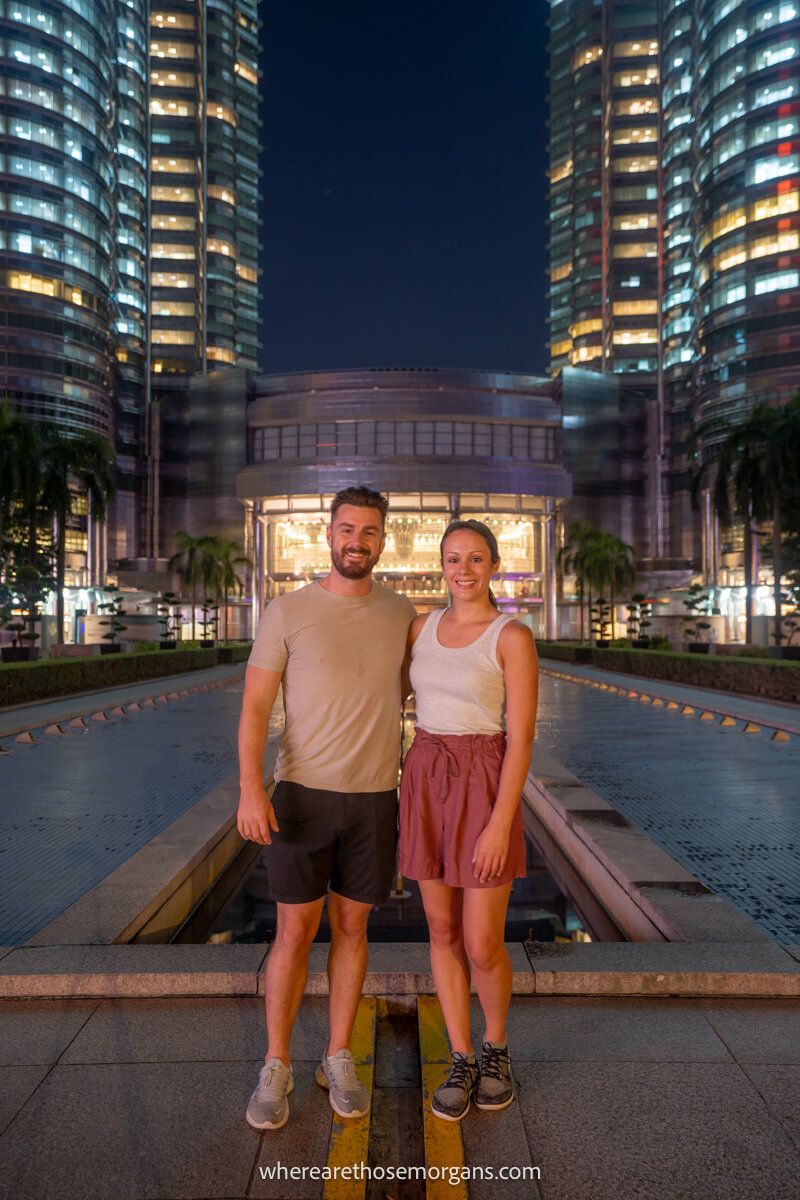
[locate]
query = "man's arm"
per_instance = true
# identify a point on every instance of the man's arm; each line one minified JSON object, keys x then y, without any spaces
{"x":255,"y":817}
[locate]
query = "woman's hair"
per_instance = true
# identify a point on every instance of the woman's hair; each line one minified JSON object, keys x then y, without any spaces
{"x":483,"y":531}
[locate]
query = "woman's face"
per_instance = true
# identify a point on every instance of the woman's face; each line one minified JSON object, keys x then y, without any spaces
{"x":467,"y":565}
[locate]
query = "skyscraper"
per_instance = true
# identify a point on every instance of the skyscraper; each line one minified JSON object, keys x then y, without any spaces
{"x":129,"y":220}
{"x":674,"y":229}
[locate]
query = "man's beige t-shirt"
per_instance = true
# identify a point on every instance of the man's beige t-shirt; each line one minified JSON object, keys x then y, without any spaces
{"x":341,"y":658}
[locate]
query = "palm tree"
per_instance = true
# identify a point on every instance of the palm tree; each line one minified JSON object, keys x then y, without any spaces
{"x":608,"y":565}
{"x":572,"y":558}
{"x":755,"y":475}
{"x":228,"y":558}
{"x":195,"y":563}
{"x":89,"y":461}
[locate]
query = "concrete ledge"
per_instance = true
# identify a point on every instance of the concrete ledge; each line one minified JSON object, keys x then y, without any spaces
{"x":134,"y":971}
{"x":649,"y":896}
{"x":664,"y":969}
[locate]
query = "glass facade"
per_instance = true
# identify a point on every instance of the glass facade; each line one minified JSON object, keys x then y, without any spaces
{"x":684,"y":225}
{"x":128,"y":218}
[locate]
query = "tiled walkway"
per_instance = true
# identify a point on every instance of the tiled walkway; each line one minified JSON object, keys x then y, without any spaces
{"x":626,"y":1098}
{"x":725,"y":804}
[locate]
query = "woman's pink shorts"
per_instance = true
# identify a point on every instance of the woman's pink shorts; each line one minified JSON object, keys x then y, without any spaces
{"x":447,"y":794}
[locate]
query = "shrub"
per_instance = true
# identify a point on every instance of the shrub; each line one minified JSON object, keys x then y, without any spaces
{"x":21,"y":683}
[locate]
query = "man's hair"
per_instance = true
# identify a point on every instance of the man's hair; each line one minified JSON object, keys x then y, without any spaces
{"x":361,"y":497}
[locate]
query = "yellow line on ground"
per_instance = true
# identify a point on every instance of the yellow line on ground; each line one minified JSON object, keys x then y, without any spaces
{"x":444,"y":1147}
{"x":707,"y":716}
{"x":750,"y":727}
{"x":727,"y":722}
{"x":780,"y":735}
{"x":349,"y":1142}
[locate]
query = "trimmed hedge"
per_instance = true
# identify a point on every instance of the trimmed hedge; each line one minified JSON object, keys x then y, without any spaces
{"x":771,"y":678}
{"x":21,"y":683}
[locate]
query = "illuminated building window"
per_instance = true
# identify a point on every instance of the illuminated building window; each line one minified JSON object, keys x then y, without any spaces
{"x":585,"y":354}
{"x":167,"y":221}
{"x":783,"y":242}
{"x":636,"y":78}
{"x":172,"y":250}
{"x":75,"y":542}
{"x":248,"y":273}
{"x":220,"y":354}
{"x":730,"y":258}
{"x":217,"y":192}
{"x":635,"y":337}
{"x":775,"y":206}
{"x":585,"y":56}
{"x":23,"y":281}
{"x":172,"y":49}
{"x":559,"y":348}
{"x":179,"y":166}
{"x":772,"y":131}
{"x":171,"y":279}
{"x":632,"y":137}
{"x":561,"y":272}
{"x":561,"y":170}
{"x":172,"y":20}
{"x":635,"y":250}
{"x":172,"y":108}
{"x":635,"y":308}
{"x":640,"y":107}
{"x":172,"y":308}
{"x":639,"y":163}
{"x":175,"y":79}
{"x":776,"y":282}
{"x":770,"y":56}
{"x":592,"y":325}
{"x":635,"y":49}
{"x":245,"y":71}
{"x":216,"y":246}
{"x":176,"y":195}
{"x":774,"y":167}
{"x":774,"y":93}
{"x":636,"y":221}
{"x":172,"y":337}
{"x":222,"y":112}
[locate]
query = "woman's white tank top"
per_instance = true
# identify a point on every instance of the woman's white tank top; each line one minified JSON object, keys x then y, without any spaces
{"x":459,"y":689}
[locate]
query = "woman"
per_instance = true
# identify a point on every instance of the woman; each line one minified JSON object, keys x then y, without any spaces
{"x":474,"y":673}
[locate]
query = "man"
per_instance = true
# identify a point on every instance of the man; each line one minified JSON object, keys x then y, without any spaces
{"x":337,"y":646}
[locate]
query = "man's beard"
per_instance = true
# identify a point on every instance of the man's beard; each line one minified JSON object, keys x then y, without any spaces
{"x":355,"y":568}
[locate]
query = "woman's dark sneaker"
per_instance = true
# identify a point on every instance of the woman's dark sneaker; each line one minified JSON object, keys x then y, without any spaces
{"x":451,"y":1100}
{"x":496,"y":1084}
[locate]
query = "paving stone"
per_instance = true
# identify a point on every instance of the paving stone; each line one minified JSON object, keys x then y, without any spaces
{"x":140,"y":970}
{"x":497,"y":1140}
{"x":39,"y":1031}
{"x":302,"y":1142}
{"x":634,"y":1131}
{"x":701,"y":918}
{"x":780,"y":1089}
{"x":133,"y":1131}
{"x":16,"y":1085}
{"x":192,"y":1030}
{"x":794,"y":951}
{"x":757,"y":1031}
{"x":572,"y":1029}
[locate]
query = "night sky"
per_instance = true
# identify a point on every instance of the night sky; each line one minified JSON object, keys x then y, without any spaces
{"x":404,"y":188}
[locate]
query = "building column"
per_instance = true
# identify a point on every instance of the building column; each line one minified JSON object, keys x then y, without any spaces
{"x":96,"y":547}
{"x":550,"y":582}
{"x":260,"y":554}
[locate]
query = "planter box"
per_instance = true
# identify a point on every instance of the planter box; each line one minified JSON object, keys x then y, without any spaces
{"x":13,"y":654}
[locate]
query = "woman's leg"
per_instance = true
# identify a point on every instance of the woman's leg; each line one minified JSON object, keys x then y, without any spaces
{"x":484,"y":917}
{"x":448,"y":959}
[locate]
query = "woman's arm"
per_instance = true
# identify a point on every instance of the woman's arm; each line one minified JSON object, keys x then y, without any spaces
{"x":414,"y":630}
{"x":516,"y":653}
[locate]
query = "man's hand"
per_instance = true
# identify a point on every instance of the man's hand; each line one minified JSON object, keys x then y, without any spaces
{"x":255,"y":818}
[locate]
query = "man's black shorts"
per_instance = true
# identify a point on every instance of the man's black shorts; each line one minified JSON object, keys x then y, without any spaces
{"x":347,"y":840}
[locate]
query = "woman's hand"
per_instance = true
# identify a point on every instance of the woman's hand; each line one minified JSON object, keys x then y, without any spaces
{"x":490,"y":853}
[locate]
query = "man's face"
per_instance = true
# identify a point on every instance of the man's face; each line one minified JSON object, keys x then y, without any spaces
{"x":356,"y":538}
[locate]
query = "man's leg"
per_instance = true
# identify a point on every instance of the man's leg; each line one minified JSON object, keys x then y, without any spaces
{"x":347,"y":966}
{"x":287,"y":972}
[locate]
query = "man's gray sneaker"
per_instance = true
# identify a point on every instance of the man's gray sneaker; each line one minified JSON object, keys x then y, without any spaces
{"x":451,"y":1099}
{"x":269,"y":1106}
{"x":496,"y":1085}
{"x":347,"y":1094}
